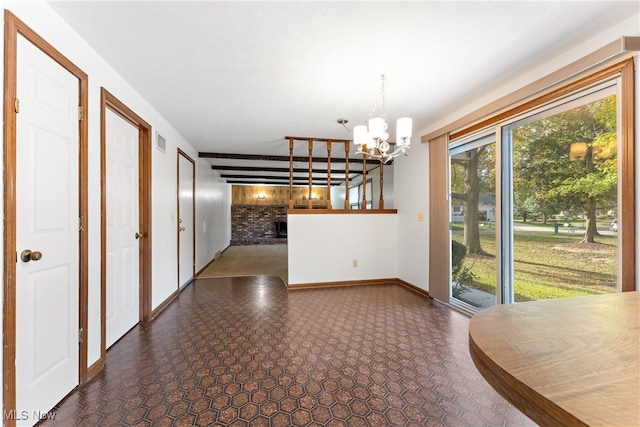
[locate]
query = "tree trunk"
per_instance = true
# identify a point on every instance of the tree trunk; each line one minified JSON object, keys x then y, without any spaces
{"x":591,"y":231}
{"x":472,"y":184}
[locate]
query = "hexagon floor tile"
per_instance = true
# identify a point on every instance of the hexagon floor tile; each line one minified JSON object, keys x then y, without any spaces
{"x":244,"y":351}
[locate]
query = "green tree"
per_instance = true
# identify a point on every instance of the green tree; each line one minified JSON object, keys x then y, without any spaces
{"x":472,"y":172}
{"x":568,"y":161}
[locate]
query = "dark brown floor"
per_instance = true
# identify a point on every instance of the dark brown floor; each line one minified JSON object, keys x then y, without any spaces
{"x":244,"y":351}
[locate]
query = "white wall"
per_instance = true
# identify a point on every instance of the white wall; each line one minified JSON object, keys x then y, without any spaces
{"x":411,"y":185}
{"x":212,"y":198}
{"x":322,"y":247}
{"x":213,"y":214}
{"x":411,"y":197}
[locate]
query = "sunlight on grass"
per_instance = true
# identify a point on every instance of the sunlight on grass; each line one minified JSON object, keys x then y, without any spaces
{"x":549,"y":266}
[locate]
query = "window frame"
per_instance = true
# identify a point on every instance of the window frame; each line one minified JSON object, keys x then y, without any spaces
{"x":623,"y":74}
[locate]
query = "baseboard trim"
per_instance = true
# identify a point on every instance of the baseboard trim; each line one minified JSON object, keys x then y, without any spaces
{"x":414,"y":288}
{"x":94,"y":369}
{"x":183,"y":287}
{"x":341,"y":284}
{"x":348,"y":283}
{"x":215,"y":257}
{"x":164,"y":304}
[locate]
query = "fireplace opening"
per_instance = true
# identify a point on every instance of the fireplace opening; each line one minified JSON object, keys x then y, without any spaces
{"x":281,"y":229}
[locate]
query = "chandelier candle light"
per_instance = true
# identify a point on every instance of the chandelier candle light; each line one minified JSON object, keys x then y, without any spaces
{"x":372,"y":140}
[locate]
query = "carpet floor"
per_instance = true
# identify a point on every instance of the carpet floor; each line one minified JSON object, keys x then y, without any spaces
{"x":256,"y":260}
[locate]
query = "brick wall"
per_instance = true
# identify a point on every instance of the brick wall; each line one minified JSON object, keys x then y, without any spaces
{"x":254,"y":224}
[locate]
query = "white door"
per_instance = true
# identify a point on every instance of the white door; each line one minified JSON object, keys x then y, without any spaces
{"x":186,"y":267}
{"x":123,"y":258}
{"x":47,"y":221}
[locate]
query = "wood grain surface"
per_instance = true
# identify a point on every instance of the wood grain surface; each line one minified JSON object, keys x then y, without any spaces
{"x":564,"y":362}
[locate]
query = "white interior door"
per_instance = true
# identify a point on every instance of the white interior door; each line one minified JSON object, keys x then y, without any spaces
{"x":47,"y":209}
{"x":123,"y":257}
{"x":186,"y":262}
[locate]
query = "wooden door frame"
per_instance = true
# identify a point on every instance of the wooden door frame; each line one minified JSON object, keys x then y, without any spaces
{"x":108,"y":101}
{"x":193,"y":202}
{"x":13,"y":28}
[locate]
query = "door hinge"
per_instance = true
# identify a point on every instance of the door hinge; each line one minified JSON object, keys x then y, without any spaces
{"x":80,"y":335}
{"x":80,"y":112}
{"x":80,"y":223}
{"x":16,"y":105}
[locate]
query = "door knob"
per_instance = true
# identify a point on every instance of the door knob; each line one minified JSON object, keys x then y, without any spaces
{"x":28,"y":255}
{"x":138,"y":235}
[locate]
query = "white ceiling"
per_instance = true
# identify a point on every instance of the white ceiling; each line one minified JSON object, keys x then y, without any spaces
{"x":237,"y":77}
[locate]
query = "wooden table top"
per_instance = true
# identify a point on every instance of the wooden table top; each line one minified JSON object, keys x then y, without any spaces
{"x":564,"y":362}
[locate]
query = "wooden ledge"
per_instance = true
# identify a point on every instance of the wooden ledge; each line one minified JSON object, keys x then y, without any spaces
{"x":341,"y":211}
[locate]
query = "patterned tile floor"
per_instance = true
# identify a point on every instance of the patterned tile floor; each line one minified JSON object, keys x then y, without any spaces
{"x":245,"y":352}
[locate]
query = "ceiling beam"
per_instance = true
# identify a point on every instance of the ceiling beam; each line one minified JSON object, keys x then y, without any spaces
{"x":276,"y":178}
{"x":267,"y":157}
{"x":283,"y":170}
{"x":299,"y":178}
{"x":283,"y":183}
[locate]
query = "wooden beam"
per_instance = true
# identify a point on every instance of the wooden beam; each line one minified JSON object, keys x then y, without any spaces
{"x":329,"y":175}
{"x":282,"y":170}
{"x":346,"y":171}
{"x":267,"y":157}
{"x":307,"y":139}
{"x":381,"y":201}
{"x":282,"y":177}
{"x":290,"y":173}
{"x":280,"y":182}
{"x":310,"y":146}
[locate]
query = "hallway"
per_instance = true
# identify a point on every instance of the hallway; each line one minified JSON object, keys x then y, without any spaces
{"x":244,"y":351}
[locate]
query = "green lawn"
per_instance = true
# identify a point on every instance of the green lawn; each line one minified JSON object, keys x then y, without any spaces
{"x":549,"y":265}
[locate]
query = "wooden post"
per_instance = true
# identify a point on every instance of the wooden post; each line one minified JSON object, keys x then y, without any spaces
{"x":290,"y":173}
{"x":310,"y":202}
{"x":329,"y":174}
{"x":346,"y":174}
{"x":364,"y":182}
{"x":381,"y":203}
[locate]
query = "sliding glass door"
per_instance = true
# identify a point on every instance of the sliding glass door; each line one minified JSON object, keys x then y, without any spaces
{"x":546,"y":224}
{"x":473,"y":221}
{"x":565,"y":199}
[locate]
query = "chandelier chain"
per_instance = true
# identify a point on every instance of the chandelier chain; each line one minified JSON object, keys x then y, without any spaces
{"x":379,"y":98}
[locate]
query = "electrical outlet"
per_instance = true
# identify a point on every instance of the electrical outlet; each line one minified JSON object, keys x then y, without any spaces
{"x":355,"y":262}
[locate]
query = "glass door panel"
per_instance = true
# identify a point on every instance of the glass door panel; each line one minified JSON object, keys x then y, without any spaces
{"x":473,"y":222}
{"x":564,"y":201}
